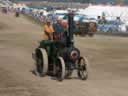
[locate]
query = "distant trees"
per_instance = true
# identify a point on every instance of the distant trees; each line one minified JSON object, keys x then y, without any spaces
{"x":85,"y":1}
{"x":121,"y":2}
{"x":82,"y":1}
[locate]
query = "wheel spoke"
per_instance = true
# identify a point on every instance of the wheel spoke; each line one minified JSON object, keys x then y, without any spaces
{"x":39,"y":65}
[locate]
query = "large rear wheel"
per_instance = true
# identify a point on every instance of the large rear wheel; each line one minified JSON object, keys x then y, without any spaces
{"x":41,"y":66}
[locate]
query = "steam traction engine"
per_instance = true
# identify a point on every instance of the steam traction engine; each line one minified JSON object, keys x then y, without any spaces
{"x":59,"y":57}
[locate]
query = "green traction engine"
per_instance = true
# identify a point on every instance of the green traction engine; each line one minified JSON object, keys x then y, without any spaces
{"x":59,"y":57}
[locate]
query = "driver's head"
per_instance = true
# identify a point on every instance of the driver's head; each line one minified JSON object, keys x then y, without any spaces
{"x":48,"y":22}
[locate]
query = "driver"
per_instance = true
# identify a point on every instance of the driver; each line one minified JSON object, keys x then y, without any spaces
{"x":48,"y":30}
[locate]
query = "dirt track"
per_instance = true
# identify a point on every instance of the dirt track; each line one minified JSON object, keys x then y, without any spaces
{"x":108,"y":71}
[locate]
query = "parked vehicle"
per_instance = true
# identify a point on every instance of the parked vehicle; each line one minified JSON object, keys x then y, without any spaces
{"x":88,"y":26}
{"x":112,"y":26}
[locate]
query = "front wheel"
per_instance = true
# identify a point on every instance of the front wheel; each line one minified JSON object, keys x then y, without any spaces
{"x":60,"y":69}
{"x":82,"y":68}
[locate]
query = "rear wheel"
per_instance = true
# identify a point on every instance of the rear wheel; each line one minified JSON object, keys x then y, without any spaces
{"x":60,"y":69}
{"x":82,"y":68}
{"x":41,"y":62}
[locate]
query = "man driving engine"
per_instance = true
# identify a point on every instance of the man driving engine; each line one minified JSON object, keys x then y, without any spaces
{"x":48,"y":31}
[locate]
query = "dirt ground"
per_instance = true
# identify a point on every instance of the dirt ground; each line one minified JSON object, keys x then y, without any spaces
{"x":107,"y":55}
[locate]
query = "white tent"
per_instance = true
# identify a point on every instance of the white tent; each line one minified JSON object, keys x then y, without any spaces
{"x":111,"y":12}
{"x":61,"y":11}
{"x":20,"y":6}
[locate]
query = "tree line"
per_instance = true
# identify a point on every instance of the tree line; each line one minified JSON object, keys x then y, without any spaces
{"x":84,"y":1}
